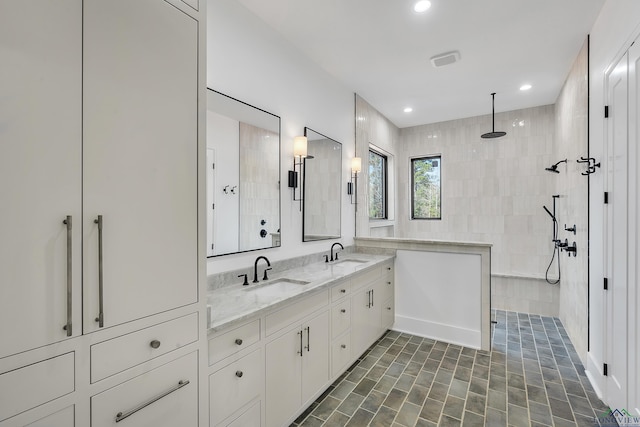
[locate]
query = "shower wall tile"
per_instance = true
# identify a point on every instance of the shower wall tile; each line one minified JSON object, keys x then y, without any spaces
{"x":571,"y":144}
{"x":492,"y":190}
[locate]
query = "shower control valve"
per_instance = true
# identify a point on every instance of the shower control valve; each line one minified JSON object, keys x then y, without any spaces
{"x":570,"y":229}
{"x":573,"y":249}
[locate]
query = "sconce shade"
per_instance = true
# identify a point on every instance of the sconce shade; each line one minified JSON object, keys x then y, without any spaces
{"x":300,"y":146}
{"x":356,"y":164}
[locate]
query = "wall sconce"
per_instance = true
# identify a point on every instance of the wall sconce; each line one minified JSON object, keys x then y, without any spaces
{"x":352,"y":186}
{"x":299,"y":154}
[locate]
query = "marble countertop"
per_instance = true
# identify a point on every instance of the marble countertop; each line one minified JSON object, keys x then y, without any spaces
{"x":235,"y":303}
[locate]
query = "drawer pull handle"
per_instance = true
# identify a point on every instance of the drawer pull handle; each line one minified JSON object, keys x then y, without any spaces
{"x":100,"y":318}
{"x":343,"y":346}
{"x":388,"y":308}
{"x":122,"y":415}
{"x":155,"y":344}
{"x":388,"y":283}
{"x":239,"y":374}
{"x":67,"y":327}
{"x":389,"y":268}
{"x":343,"y":311}
{"x":344,"y":291}
{"x":238,"y":341}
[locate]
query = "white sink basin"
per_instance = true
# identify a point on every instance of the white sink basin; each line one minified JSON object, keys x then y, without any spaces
{"x":275,"y":287}
{"x":349,"y":262}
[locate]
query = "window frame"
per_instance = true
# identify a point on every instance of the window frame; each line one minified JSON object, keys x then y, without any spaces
{"x":412,"y":189}
{"x":385,"y":185}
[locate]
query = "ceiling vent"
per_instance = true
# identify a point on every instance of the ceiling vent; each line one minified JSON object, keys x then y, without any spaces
{"x":445,"y":59}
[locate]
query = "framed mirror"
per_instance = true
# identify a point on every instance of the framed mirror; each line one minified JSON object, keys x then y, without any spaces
{"x":243,"y":176}
{"x":322,"y":188}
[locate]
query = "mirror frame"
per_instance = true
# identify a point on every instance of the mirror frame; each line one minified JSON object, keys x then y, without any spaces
{"x":279,"y":175}
{"x":304,"y":190}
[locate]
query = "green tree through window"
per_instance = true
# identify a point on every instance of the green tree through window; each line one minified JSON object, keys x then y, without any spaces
{"x":377,"y":185}
{"x":425,"y":183}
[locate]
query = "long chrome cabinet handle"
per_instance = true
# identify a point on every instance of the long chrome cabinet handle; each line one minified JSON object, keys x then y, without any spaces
{"x":122,"y":415}
{"x":308,"y":328}
{"x":371,"y":297}
{"x":68,"y":327}
{"x":100,"y":318}
{"x":300,"y":352}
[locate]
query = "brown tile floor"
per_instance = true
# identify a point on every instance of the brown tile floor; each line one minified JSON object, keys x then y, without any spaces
{"x":531,"y":377}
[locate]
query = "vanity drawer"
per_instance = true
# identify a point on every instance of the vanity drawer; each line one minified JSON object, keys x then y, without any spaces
{"x":33,"y":385}
{"x":387,"y":269}
{"x":340,"y":354}
{"x":115,"y":355}
{"x":340,"y":290}
{"x":296,"y":311}
{"x":230,"y":342}
{"x":165,"y":396}
{"x":235,"y":385}
{"x":365,"y":278}
{"x":386,"y":288}
{"x":388,"y":313}
{"x":340,"y":318}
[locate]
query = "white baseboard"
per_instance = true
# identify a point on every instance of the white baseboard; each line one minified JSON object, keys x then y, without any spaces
{"x":438,"y":331}
{"x":594,"y":374}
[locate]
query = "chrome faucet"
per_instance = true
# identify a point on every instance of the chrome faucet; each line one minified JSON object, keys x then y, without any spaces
{"x":332,"y":246}
{"x":255,"y":269}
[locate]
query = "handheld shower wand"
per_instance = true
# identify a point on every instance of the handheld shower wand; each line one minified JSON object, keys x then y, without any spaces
{"x":555,"y":240}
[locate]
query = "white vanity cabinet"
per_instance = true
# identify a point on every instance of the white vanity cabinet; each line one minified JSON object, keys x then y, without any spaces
{"x":297,"y":362}
{"x":234,"y":386}
{"x":372,"y":293}
{"x":236,"y":382}
{"x":340,"y":327}
{"x":387,"y":298}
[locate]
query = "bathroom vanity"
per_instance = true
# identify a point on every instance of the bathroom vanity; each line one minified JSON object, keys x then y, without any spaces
{"x":275,"y":346}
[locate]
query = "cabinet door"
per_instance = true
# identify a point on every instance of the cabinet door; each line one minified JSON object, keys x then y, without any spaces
{"x":315,"y":355}
{"x":40,"y":170}
{"x":140,"y":145}
{"x":283,"y":377}
{"x":364,"y":322}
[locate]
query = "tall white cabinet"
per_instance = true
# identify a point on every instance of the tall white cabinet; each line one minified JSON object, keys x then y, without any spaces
{"x":140,"y":133}
{"x":99,"y":142}
{"x":40,"y":171}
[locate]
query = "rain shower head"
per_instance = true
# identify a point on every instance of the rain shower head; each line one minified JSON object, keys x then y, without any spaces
{"x":493,"y":133}
{"x":554,"y":168}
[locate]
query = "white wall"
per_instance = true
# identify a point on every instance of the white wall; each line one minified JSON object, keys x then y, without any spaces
{"x":249,"y":61}
{"x":441,"y":298}
{"x":616,"y":27}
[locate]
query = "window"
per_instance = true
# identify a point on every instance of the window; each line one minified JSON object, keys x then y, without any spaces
{"x":425,"y":185}
{"x":377,"y":185}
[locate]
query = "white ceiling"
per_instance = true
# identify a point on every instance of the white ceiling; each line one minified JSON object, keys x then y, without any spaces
{"x":380,"y":49}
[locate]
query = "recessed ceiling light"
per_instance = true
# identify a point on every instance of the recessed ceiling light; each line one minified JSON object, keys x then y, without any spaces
{"x":408,"y":110}
{"x":525,"y":87}
{"x":422,"y":6}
